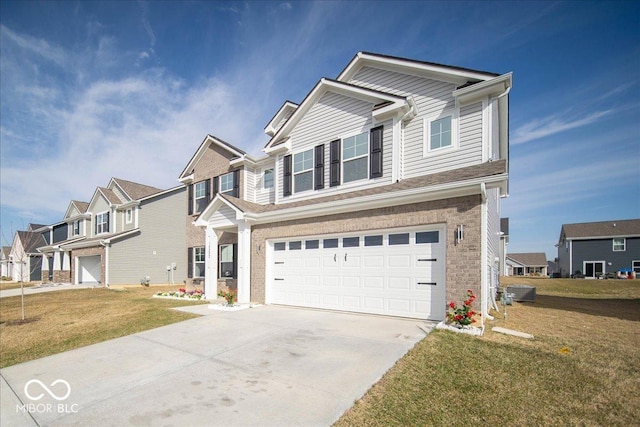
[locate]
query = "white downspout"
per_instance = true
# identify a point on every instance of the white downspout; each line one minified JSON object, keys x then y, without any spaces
{"x":484,"y":288}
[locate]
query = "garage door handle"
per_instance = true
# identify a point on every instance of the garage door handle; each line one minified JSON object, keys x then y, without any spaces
{"x":279,"y":262}
{"x":345,"y":257}
{"x":335,"y":257}
{"x":277,"y":278}
{"x":427,"y":283}
{"x":428,"y":259}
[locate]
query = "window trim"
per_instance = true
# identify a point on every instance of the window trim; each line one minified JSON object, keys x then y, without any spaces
{"x":233,"y":261}
{"x":624,"y":244}
{"x":75,"y":224}
{"x":220,"y":182}
{"x":366,"y":155}
{"x":309,"y":170}
{"x":264,"y":180}
{"x":101,"y":224}
{"x":203,"y":183}
{"x":195,"y":261}
{"x":426,"y":133}
{"x":128,"y":216}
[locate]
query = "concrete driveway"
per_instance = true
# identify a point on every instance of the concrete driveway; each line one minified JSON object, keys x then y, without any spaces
{"x":266,"y":366}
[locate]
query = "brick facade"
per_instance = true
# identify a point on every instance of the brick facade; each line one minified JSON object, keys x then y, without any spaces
{"x":463,"y":268}
{"x":95,"y":250}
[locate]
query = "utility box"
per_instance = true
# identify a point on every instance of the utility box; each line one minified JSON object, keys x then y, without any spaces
{"x":522,"y":293}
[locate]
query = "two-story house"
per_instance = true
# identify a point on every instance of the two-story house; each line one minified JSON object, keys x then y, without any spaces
{"x":379,"y":193}
{"x":25,"y":263}
{"x":594,"y":249}
{"x":126,"y":232}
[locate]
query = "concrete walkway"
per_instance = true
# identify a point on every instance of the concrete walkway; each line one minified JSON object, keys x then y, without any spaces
{"x":264,"y":366}
{"x":45,"y":287}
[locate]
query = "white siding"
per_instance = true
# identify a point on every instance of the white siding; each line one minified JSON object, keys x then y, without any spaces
{"x":262,"y":195}
{"x":335,"y":116}
{"x":162,"y":241}
{"x":250,"y":184}
{"x":432,"y":97}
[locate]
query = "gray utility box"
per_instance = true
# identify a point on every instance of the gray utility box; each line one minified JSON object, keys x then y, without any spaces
{"x":524,"y":293}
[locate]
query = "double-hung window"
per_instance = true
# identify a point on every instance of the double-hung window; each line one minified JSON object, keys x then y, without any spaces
{"x":303,"y":171}
{"x":198,"y":262}
{"x":227,"y":264}
{"x":619,"y":244}
{"x":355,"y":157}
{"x":226,"y":183}
{"x":76,"y":228}
{"x":129,"y":216}
{"x":102,"y":223}
{"x":267,"y":180}
{"x":200,"y":196}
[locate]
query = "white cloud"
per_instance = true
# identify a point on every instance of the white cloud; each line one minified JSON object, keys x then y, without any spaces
{"x":540,"y":128}
{"x":34,"y":45}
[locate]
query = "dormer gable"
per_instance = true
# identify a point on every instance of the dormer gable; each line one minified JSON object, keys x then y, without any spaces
{"x":385,"y":105}
{"x":75,"y":209}
{"x":283,"y":114}
{"x":129,"y":191}
{"x":232,"y":152}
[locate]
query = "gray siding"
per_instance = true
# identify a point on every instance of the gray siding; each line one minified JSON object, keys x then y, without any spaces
{"x":432,"y":98}
{"x":161,"y":241}
{"x":602,"y":250}
{"x":333,"y":117}
{"x":120,"y":193}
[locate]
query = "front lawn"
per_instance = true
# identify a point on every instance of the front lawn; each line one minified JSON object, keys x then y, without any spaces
{"x":581,"y":368}
{"x":63,"y":320}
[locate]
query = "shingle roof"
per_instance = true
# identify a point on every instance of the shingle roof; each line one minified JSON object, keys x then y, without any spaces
{"x":6,"y":250}
{"x":537,"y":259}
{"x":32,"y":227}
{"x":31,"y":241}
{"x":134,"y":190}
{"x":471,"y":172}
{"x":110,"y":195}
{"x":82,"y":206}
{"x":625,"y":227}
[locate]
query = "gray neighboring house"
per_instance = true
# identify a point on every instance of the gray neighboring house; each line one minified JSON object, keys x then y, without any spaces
{"x":594,"y":249}
{"x":527,"y":264}
{"x":127,"y":232}
{"x":378,"y":193}
{"x":24,"y":259}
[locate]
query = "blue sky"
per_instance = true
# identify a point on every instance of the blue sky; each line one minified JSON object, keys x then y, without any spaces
{"x":93,"y":90}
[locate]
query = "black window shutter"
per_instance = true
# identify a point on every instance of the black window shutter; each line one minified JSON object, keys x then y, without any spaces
{"x":318,"y":176}
{"x":190,"y":197}
{"x":106,"y":229}
{"x":207,"y":190}
{"x":286,"y":181}
{"x":334,"y":163}
{"x":214,"y":187}
{"x":375,"y":153}
{"x":235,"y":260}
{"x":189,"y":263}
{"x":236,"y":183}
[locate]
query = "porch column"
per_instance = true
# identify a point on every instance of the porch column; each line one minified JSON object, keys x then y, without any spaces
{"x":211,"y":264}
{"x":244,"y":261}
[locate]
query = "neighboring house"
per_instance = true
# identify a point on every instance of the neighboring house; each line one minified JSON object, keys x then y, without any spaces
{"x":5,"y":264}
{"x":594,"y":249}
{"x":379,"y":193}
{"x":127,"y":232}
{"x":24,"y":258}
{"x":527,"y":264}
{"x":504,"y":241}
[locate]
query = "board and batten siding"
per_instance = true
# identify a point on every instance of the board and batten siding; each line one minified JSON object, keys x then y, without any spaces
{"x":432,"y":98}
{"x":160,"y":242}
{"x":333,"y":117}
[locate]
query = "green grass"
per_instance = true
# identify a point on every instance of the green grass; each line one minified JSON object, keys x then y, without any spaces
{"x":581,"y":368}
{"x":64,"y":320}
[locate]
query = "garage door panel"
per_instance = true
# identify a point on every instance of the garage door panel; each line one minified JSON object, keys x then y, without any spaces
{"x":406,"y":279}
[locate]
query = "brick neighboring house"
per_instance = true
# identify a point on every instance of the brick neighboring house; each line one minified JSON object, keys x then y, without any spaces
{"x":596,"y":249}
{"x":527,"y":264}
{"x":379,"y":193}
{"x":126,"y":232}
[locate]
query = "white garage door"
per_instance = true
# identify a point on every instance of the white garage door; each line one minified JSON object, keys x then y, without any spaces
{"x":397,"y":273}
{"x":89,"y":269}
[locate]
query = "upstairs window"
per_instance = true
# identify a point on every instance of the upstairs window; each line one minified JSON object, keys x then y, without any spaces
{"x":200,"y":196}
{"x":226,"y":183}
{"x":440,"y":133}
{"x":267,"y":180}
{"x":355,"y":157}
{"x":102,"y":223}
{"x":129,"y":216}
{"x":303,"y":171}
{"x":619,"y":244}
{"x":76,"y":228}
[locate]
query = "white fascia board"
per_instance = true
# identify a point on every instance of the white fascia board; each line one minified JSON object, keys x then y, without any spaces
{"x":119,"y":236}
{"x":381,"y":200}
{"x":624,"y":236}
{"x":154,"y":195}
{"x":247,"y":160}
{"x":286,"y":107}
{"x":214,"y":205}
{"x":187,"y":179}
{"x":492,"y":87}
{"x":278,"y":149}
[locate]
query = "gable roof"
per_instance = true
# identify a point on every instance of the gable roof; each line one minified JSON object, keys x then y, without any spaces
{"x":31,"y":241}
{"x":287,"y":109}
{"x":110,"y":195}
{"x":81,"y":207}
{"x":209,"y":139}
{"x":602,"y":229}
{"x":382,"y":100}
{"x":6,"y":250}
{"x":33,"y":227}
{"x":535,"y":259}
{"x":134,"y":190}
{"x":459,"y":75}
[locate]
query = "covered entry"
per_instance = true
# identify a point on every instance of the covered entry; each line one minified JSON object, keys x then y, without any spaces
{"x":398,"y":272}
